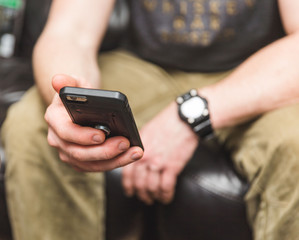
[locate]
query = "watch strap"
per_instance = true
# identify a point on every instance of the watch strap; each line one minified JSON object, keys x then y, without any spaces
{"x":201,"y":126}
{"x":203,"y":129}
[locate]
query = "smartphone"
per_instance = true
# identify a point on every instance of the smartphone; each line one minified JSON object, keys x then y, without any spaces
{"x":106,"y":110}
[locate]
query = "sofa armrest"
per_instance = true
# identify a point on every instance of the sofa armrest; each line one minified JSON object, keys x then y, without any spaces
{"x":209,"y":201}
{"x":208,"y":204}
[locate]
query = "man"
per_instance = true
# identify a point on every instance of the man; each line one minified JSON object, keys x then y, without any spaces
{"x":233,"y":52}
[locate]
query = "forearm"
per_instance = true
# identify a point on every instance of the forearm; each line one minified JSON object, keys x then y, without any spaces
{"x":70,"y":42}
{"x":60,"y":58}
{"x":267,"y":80}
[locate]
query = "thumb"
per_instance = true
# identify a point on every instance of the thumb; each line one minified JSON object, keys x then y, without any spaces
{"x":61,"y":80}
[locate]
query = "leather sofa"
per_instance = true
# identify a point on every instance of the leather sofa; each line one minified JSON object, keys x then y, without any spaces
{"x":209,"y":201}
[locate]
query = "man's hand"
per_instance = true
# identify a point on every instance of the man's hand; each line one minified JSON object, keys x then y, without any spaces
{"x":169,"y":144}
{"x":84,"y":148}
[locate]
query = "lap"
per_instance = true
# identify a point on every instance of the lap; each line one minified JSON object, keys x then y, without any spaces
{"x":40,"y":188}
{"x":25,"y":130}
{"x":266,"y":152}
{"x":253,"y":144}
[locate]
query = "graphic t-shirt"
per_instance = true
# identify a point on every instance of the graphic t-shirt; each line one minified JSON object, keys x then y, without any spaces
{"x":202,"y":35}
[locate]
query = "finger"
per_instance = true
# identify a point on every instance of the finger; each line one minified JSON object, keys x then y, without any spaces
{"x":66,"y":130}
{"x":52,"y":138}
{"x":96,"y":154}
{"x":107,"y":151}
{"x":153,"y":183}
{"x":67,"y":160}
{"x":127,"y":179}
{"x":77,"y":169}
{"x":140,"y":183}
{"x":64,"y":157}
{"x":110,"y":149}
{"x":86,"y":138}
{"x":167,"y":186}
{"x":60,"y":122}
{"x":61,"y":80}
{"x":54,"y":141}
{"x":105,"y":165}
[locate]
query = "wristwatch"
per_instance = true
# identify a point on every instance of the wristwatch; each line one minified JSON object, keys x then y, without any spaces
{"x":193,"y":110}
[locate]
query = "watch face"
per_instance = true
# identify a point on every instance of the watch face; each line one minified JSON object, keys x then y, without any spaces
{"x":193,"y":108}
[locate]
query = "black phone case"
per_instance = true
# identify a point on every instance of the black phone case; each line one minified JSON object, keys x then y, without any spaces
{"x":94,"y":107}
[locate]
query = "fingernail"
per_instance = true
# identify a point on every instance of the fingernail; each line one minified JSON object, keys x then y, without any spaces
{"x":123,"y":146}
{"x":136,"y":156}
{"x":97,"y":138}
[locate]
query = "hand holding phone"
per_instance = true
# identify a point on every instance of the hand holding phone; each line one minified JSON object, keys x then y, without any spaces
{"x":84,"y":148}
{"x":108,"y":111}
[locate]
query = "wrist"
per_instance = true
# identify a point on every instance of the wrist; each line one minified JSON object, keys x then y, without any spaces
{"x":193,"y":110}
{"x":183,"y":129}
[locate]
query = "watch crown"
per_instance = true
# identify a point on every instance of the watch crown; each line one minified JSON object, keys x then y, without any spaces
{"x":180,"y":100}
{"x":205,"y":112}
{"x":191,"y":120}
{"x":193,"y":92}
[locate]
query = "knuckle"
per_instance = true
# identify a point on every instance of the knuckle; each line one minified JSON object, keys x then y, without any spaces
{"x":126,"y":173}
{"x":168,"y":187}
{"x":152,"y":188}
{"x":139,"y":185}
{"x":60,"y":131}
{"x":156,"y":164}
{"x":51,"y":141}
{"x":118,"y":163}
{"x":46,"y":116}
{"x":166,"y":190}
{"x":76,"y":155}
{"x":106,"y":155}
{"x":63,"y":158}
{"x":127,"y":184}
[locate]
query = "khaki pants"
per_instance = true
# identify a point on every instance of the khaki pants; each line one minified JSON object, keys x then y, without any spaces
{"x":49,"y":200}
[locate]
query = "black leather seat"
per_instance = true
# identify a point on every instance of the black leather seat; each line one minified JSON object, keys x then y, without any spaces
{"x":209,"y":198}
{"x":208,"y":203}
